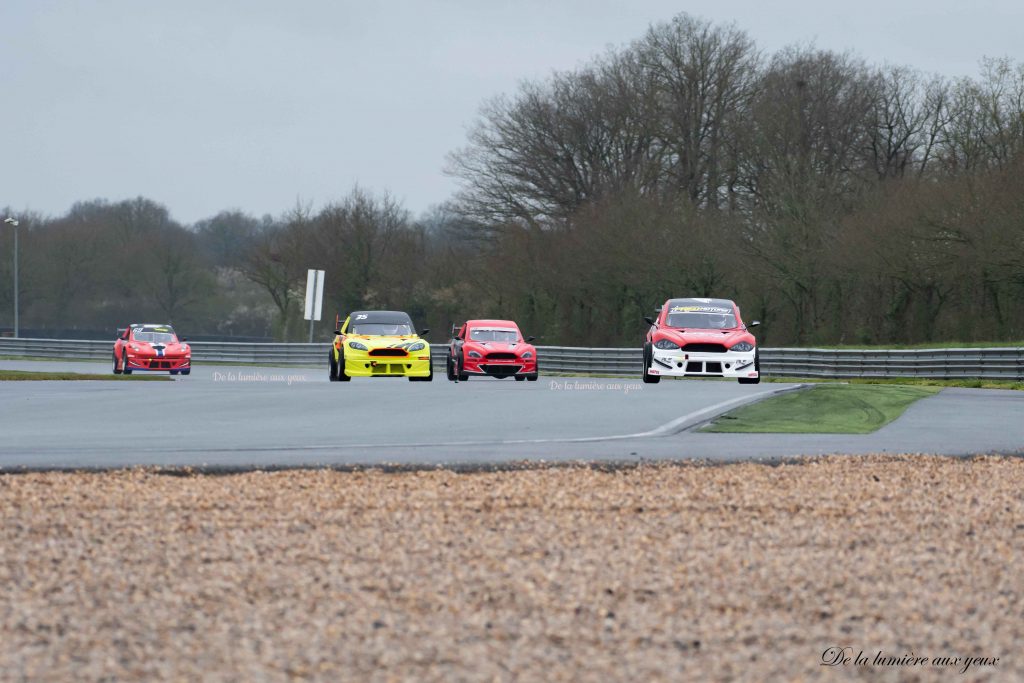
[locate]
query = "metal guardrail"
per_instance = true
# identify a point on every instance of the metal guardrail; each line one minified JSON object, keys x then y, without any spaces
{"x":978,"y":363}
{"x":986,"y":363}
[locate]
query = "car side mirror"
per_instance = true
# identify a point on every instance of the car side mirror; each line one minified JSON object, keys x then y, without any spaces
{"x":648,"y":320}
{"x":121,"y":331}
{"x":425,"y":332}
{"x":337,"y":332}
{"x":530,"y":338}
{"x":754,"y":324}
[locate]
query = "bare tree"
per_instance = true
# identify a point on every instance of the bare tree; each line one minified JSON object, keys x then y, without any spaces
{"x":277,"y":263}
{"x":354,"y":239}
{"x":899,"y":125}
{"x":804,"y":169}
{"x":702,"y":78}
{"x":582,"y":136}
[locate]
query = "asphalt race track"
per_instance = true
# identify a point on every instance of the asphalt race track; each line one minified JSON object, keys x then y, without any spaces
{"x":241,"y":417}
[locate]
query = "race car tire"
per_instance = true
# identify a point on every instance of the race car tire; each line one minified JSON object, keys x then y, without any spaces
{"x":648,"y":354}
{"x":449,"y":369}
{"x":174,"y":372}
{"x":757,"y":366}
{"x":117,"y":370}
{"x":332,"y":374}
{"x":463,"y":377}
{"x":532,"y":377}
{"x":124,"y":364}
{"x":520,"y":378}
{"x":187,"y":371}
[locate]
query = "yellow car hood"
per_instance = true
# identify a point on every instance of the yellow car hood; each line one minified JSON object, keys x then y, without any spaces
{"x":381,"y":342}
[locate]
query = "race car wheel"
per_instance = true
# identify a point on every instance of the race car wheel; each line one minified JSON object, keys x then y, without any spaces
{"x":333,"y":374}
{"x":532,"y":377}
{"x":124,"y":364}
{"x":463,"y":377}
{"x":187,"y":371}
{"x":449,"y":369}
{"x":117,"y":370}
{"x":648,"y":354}
{"x":757,"y":366}
{"x":520,"y":378}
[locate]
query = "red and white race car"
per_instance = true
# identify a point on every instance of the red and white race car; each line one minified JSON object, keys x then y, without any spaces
{"x":700,"y":338}
{"x":493,"y":348}
{"x":152,"y":348}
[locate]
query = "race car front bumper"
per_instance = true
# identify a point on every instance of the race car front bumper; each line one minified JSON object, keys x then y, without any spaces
{"x":365,"y":366}
{"x":679,"y":363}
{"x":159,"y":363}
{"x":500,"y":368}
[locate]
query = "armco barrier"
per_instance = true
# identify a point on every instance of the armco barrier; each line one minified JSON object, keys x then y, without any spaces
{"x":989,"y":363}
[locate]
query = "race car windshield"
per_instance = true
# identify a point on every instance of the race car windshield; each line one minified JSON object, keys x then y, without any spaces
{"x":154,"y":337}
{"x":702,"y":321}
{"x":485,"y":335}
{"x":385,"y":329}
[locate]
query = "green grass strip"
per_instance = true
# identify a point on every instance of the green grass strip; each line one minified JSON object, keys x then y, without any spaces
{"x":26,"y":375}
{"x":824,"y":409}
{"x":964,"y":383}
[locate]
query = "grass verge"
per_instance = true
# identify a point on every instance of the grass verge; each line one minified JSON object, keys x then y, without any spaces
{"x":26,"y":375}
{"x":824,"y":409}
{"x":965,"y":383}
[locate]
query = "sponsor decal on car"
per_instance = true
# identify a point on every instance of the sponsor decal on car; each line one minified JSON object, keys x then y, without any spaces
{"x":699,"y":309}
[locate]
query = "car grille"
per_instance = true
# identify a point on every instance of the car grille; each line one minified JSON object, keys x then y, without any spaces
{"x":699,"y":368}
{"x":501,"y":370}
{"x":388,"y":369}
{"x":388,"y":352}
{"x":501,"y":355}
{"x":705,"y":348}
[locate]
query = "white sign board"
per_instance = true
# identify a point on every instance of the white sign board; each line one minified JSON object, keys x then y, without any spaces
{"x":314,"y":294}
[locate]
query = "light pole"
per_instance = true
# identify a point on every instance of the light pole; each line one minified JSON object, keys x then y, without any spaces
{"x":14,"y":224}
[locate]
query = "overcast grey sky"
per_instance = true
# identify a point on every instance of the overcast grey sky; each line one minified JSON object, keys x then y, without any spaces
{"x":206,"y":105}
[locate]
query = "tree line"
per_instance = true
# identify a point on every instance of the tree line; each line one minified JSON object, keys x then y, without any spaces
{"x":835,"y":201}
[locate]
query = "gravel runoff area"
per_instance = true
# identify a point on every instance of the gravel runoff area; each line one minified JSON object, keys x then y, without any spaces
{"x":656,"y":572}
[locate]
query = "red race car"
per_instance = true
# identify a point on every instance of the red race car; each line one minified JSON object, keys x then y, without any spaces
{"x":700,"y":338}
{"x":493,"y":348}
{"x":151,"y":348}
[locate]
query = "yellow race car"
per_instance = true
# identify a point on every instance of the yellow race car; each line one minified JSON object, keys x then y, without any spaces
{"x":379,"y":344}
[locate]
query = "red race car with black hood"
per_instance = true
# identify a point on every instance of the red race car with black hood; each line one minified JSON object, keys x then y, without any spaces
{"x":491,"y":348}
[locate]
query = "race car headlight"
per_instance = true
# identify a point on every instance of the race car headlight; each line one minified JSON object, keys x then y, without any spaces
{"x":133,"y":347}
{"x":742,"y":346}
{"x":528,"y":355}
{"x":357,"y":346}
{"x":475,"y":354}
{"x":666,"y":345}
{"x":418,"y":346}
